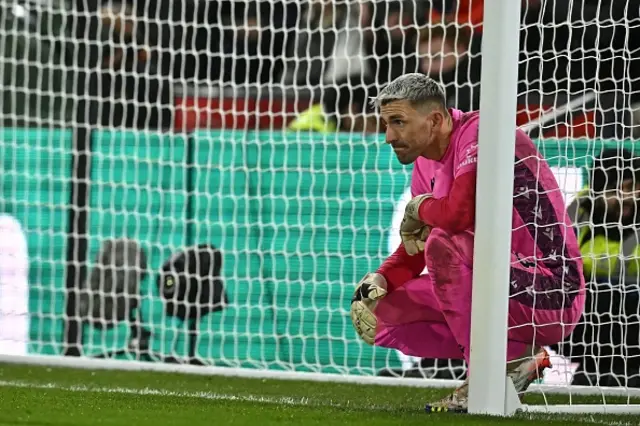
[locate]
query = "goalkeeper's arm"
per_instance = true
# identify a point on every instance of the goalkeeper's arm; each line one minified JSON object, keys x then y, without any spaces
{"x":456,"y":212}
{"x":453,"y":213}
{"x":400,"y":267}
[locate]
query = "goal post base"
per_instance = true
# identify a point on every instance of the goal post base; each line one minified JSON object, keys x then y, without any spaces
{"x":512,"y":403}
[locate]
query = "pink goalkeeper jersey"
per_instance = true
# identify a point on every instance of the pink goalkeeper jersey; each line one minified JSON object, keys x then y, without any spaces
{"x":542,"y":231}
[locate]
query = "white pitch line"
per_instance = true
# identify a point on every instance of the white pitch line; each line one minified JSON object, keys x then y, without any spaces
{"x":213,"y":396}
{"x":282,"y":400}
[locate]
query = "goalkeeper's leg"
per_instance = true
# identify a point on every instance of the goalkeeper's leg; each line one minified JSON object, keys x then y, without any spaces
{"x":450,"y":264}
{"x":544,"y":306}
{"x":414,"y":320}
{"x":431,"y":316}
{"x":411,"y":321}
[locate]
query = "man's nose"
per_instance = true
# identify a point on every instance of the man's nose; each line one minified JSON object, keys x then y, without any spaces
{"x":390,"y":135}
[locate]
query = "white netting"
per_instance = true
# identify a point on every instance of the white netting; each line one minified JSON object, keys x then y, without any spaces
{"x":165,"y":123}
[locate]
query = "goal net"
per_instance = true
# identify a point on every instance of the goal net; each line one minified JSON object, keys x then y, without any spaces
{"x":203,"y":183}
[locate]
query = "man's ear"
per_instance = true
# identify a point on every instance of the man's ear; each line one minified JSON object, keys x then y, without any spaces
{"x":428,"y":123}
{"x":437,"y":117}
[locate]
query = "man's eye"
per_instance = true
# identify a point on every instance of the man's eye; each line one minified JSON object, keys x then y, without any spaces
{"x":398,"y":122}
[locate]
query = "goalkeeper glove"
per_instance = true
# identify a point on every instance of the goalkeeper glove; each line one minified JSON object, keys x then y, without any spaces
{"x":413,"y":231}
{"x":370,"y":289}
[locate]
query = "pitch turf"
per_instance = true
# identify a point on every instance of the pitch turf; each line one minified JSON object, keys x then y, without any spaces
{"x":40,"y":396}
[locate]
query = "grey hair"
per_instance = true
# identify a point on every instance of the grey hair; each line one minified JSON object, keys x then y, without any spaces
{"x":414,"y":87}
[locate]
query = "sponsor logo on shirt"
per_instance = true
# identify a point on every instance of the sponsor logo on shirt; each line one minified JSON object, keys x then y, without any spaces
{"x":471,"y":156}
{"x":467,"y":161}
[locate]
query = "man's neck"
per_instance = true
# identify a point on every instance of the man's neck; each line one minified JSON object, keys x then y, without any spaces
{"x":438,"y":149}
{"x":443,"y":145}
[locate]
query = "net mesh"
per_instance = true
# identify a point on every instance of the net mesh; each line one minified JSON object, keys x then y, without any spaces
{"x":246,"y":126}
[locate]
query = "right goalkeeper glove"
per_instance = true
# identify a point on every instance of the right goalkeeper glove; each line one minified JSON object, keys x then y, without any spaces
{"x":370,"y":289}
{"x":414,"y":234}
{"x":413,"y":231}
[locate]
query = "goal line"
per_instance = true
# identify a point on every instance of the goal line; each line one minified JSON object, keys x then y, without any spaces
{"x":122,"y":365}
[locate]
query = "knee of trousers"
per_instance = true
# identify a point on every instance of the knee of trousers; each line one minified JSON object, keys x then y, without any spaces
{"x":442,"y":244}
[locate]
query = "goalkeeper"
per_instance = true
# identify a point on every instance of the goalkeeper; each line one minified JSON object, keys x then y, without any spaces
{"x":429,"y":316}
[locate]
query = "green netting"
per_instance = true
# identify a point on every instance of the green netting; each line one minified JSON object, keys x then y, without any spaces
{"x":299,"y":218}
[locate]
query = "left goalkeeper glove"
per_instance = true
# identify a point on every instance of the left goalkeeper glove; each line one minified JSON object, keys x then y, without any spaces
{"x":370,"y":289}
{"x":413,"y":231}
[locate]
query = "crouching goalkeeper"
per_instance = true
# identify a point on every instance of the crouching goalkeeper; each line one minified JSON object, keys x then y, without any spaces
{"x":429,"y":316}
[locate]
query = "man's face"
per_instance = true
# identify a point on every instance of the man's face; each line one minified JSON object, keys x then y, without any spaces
{"x":622,"y":202}
{"x":408,"y":130}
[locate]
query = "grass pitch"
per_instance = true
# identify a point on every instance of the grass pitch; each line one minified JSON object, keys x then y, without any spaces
{"x":40,"y":396}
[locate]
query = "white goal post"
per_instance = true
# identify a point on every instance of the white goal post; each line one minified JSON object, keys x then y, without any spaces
{"x":494,"y":206}
{"x":165,"y":131}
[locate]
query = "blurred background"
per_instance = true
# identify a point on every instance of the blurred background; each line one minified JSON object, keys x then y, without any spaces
{"x":245,"y":125}
{"x":260,"y":63}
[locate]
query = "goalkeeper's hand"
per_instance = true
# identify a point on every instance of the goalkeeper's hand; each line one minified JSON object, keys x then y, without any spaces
{"x":370,"y":289}
{"x":413,"y":231}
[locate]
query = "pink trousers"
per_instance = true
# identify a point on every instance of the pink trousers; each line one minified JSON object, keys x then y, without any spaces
{"x":430,"y":316}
